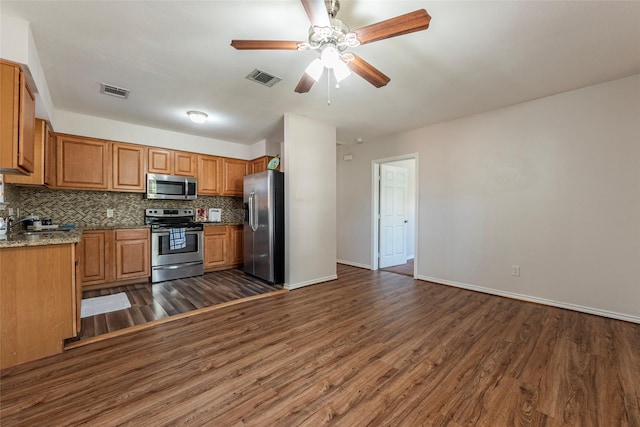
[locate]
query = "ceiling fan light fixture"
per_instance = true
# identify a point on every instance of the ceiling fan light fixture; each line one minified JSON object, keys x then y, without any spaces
{"x":330,"y":56}
{"x":341,"y":71}
{"x":197,"y":116}
{"x":315,"y":69}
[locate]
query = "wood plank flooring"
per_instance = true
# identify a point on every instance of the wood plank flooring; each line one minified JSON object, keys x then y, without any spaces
{"x":150,"y":302}
{"x":406,"y":269}
{"x":368,"y":349}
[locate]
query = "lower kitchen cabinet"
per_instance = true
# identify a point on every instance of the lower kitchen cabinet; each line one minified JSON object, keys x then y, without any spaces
{"x":132,"y":254}
{"x":216,"y":245}
{"x":222,"y":247}
{"x":38,"y":305}
{"x":96,"y":259}
{"x":113,"y":256}
{"x":236,"y":254}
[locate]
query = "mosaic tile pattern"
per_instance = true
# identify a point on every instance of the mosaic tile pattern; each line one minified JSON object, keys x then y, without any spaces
{"x":11,"y":195}
{"x":89,"y":208}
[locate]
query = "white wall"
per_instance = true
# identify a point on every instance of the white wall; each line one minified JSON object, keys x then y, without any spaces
{"x":310,"y":201}
{"x":17,"y":45}
{"x":97,"y":127}
{"x":551,"y":185}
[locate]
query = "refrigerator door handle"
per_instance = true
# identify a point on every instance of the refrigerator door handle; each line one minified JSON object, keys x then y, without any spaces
{"x":254,"y":214}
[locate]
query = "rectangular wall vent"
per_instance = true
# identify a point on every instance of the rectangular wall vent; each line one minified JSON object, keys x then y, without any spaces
{"x":263,"y":78}
{"x":114,"y":91}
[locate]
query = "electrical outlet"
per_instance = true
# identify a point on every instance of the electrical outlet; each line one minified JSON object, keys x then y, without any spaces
{"x":515,"y":270}
{"x":109,"y":213}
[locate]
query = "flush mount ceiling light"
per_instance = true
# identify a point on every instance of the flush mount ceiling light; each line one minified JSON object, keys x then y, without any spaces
{"x":197,"y":116}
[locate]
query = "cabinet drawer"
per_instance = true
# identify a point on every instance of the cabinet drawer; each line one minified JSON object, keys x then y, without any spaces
{"x":134,"y":234}
{"x":212,"y":230}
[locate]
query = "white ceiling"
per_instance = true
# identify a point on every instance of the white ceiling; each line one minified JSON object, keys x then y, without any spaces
{"x":175,"y":56}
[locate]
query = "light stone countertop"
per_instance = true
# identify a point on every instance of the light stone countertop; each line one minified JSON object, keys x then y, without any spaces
{"x":57,"y":237}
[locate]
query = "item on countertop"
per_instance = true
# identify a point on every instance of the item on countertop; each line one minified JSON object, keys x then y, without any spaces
{"x":201,"y":214}
{"x":67,"y":226}
{"x":215,"y":215}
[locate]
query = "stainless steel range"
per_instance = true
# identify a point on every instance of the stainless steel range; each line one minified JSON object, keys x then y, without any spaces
{"x":176,"y":244}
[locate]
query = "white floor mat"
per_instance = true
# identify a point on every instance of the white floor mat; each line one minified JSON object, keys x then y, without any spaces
{"x":105,"y":304}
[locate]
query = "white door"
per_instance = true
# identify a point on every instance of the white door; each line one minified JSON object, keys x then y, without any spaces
{"x":393,"y":215}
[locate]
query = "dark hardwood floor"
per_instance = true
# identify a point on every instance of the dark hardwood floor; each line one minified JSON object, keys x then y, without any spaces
{"x":405,"y":269}
{"x":151,"y":302}
{"x":371,"y":348}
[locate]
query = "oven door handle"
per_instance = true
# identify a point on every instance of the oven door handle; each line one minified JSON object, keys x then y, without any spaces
{"x":166,"y":233}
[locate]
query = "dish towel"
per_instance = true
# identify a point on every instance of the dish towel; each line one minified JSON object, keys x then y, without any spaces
{"x":177,"y":239}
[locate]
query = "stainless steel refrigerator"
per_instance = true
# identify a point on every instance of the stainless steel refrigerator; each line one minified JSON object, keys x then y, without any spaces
{"x":264,"y":225}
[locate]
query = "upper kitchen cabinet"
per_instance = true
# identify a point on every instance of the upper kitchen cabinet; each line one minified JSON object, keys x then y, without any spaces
{"x":258,"y":165}
{"x":185,"y":164}
{"x":209,"y":175}
{"x":233,"y":172}
{"x":82,"y":163}
{"x":129,"y":163}
{"x":170,"y":162}
{"x":17,"y":121}
{"x":41,"y":144}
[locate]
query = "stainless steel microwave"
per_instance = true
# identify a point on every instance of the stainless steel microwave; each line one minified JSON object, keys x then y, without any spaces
{"x":171,"y":187}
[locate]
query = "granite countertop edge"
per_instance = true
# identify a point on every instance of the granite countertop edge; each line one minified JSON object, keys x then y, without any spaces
{"x":74,"y":235}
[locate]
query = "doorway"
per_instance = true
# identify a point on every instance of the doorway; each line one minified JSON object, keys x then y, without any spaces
{"x":395,"y":210}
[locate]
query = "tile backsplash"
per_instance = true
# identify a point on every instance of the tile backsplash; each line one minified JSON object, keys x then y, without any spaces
{"x":89,"y":208}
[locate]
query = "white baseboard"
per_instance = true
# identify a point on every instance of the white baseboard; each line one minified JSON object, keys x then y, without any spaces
{"x":529,"y":298}
{"x":354,"y":264}
{"x":291,"y":286}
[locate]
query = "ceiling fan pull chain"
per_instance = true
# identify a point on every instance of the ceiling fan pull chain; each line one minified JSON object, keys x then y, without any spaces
{"x":328,"y":87}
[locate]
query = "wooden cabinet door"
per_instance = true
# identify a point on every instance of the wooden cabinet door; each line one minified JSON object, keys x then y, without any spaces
{"x":82,"y":163}
{"x":216,"y":245}
{"x":37,"y":303}
{"x":132,"y":254}
{"x":50,"y":159}
{"x":26,"y":148}
{"x":209,"y":171}
{"x":233,"y":172}
{"x":37,"y":177}
{"x":128,"y":167}
{"x":17,"y":118}
{"x":258,"y":165}
{"x":96,"y":259}
{"x":160,"y":161}
{"x":236,"y":255}
{"x":184,"y":164}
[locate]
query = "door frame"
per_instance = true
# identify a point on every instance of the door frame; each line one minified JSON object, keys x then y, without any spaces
{"x":375,"y":207}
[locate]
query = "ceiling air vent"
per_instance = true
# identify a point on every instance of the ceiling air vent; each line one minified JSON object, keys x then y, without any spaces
{"x":263,"y":78}
{"x":114,"y":91}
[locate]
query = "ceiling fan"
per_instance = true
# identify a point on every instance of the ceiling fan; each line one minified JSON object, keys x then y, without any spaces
{"x":331,"y":37}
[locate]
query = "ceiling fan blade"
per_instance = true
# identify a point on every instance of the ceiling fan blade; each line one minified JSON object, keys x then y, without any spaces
{"x":368,"y":72}
{"x":305,"y":83}
{"x":403,"y":24}
{"x":264,"y":44}
{"x":317,"y":12}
